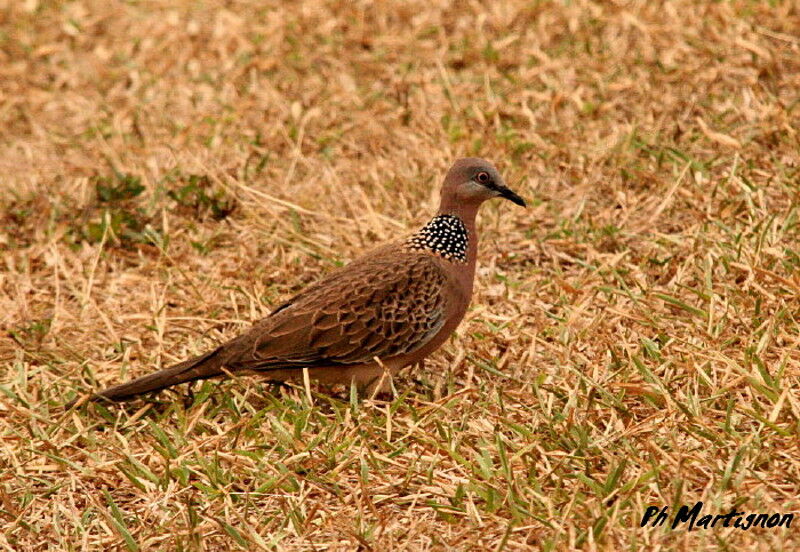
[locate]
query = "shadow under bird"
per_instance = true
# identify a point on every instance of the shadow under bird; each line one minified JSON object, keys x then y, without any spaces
{"x":363,"y":322}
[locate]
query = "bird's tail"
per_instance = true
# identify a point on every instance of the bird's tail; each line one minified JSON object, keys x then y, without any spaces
{"x":204,"y":366}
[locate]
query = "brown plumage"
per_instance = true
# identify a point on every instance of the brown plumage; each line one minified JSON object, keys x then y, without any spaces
{"x":365,"y":321}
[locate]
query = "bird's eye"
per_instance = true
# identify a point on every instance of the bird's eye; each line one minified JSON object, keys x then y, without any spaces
{"x":483,"y":177}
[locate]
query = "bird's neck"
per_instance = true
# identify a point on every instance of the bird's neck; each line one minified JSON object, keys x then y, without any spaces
{"x":449,"y":235}
{"x":466,"y":213}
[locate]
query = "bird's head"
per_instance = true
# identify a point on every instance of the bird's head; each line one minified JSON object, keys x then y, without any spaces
{"x":471,"y":181}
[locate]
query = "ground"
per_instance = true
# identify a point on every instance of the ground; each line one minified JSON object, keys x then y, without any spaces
{"x":171,"y":171}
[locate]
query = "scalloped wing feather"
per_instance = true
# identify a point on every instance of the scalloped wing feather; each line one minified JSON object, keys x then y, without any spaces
{"x":384,"y":306}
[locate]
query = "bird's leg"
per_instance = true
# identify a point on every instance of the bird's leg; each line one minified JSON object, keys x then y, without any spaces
{"x":380,"y":385}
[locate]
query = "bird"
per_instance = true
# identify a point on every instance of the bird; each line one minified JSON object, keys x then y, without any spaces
{"x":363,"y":322}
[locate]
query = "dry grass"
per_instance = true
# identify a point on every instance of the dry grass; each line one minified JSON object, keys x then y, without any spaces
{"x":634,"y":335}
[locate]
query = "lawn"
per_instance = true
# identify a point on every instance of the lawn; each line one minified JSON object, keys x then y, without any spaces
{"x":172,"y":171}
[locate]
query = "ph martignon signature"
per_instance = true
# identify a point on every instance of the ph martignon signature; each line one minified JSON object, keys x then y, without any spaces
{"x":741,"y":520}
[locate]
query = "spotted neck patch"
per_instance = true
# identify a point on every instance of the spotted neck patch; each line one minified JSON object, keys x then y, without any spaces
{"x":444,"y":235}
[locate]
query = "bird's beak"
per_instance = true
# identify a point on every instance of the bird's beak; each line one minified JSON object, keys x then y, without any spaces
{"x":512,"y":196}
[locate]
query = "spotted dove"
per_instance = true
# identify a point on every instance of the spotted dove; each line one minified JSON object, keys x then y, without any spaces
{"x":362,"y":323}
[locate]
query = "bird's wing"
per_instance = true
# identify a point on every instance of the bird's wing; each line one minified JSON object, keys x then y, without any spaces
{"x":388,"y":306}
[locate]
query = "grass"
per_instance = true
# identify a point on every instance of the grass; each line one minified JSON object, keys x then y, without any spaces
{"x":172,"y":171}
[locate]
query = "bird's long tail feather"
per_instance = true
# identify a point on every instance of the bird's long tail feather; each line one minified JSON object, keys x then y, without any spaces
{"x":201,"y":367}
